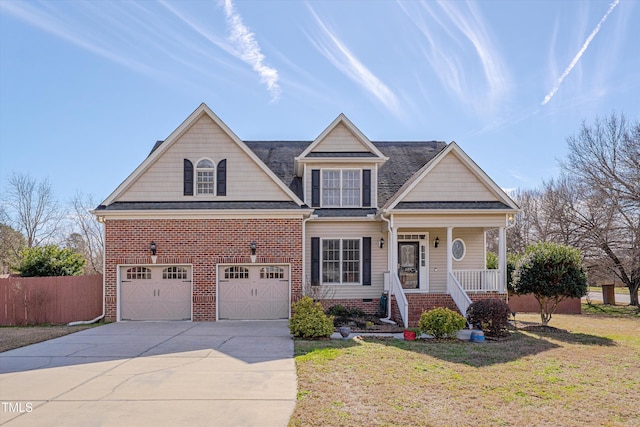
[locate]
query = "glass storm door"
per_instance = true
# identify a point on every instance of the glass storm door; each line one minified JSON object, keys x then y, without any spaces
{"x":408,"y":259}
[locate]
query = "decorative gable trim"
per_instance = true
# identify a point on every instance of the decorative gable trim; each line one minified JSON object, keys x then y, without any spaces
{"x":159,"y":150}
{"x":308,"y":154}
{"x":467,"y":161}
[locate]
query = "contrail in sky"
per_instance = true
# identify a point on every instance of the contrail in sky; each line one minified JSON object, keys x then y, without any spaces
{"x":249,"y":50}
{"x":576,"y":58}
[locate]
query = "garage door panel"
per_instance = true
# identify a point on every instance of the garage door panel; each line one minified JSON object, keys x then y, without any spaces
{"x":147,"y":294}
{"x":263,"y":294}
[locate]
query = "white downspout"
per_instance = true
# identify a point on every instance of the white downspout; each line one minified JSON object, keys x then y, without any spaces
{"x":389,"y":263}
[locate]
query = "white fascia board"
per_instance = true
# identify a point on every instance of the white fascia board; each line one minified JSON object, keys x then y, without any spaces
{"x":315,"y":218}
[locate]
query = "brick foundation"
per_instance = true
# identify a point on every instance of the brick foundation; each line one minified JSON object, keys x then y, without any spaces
{"x":418,"y":303}
{"x":203,"y":243}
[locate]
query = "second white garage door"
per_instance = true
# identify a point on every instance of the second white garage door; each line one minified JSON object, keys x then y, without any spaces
{"x":250,"y":292}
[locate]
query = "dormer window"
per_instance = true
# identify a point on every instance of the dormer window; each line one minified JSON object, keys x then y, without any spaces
{"x":341,"y":188}
{"x":205,"y":177}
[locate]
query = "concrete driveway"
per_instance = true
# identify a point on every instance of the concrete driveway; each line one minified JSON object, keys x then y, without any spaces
{"x":153,"y":374}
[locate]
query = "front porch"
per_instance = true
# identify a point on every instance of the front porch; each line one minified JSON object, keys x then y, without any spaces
{"x":463,"y":288}
{"x":442,"y":267}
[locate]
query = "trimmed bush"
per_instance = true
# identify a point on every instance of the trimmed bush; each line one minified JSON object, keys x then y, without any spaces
{"x":491,"y":314}
{"x":309,"y":320}
{"x":441,"y":322}
{"x":551,"y":272}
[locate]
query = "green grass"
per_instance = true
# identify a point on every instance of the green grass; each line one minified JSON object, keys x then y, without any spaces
{"x":586,"y":376}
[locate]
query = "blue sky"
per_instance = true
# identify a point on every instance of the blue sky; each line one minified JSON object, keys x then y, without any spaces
{"x":87,"y":87}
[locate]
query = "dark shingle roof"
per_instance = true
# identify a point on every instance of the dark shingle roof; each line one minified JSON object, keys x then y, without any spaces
{"x":280,"y":156}
{"x":452,"y":205}
{"x":190,"y":205}
{"x":341,"y":154}
{"x":405,"y":159}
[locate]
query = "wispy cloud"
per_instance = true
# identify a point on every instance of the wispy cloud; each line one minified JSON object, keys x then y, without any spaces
{"x":249,"y":50}
{"x":463,"y":25}
{"x":50,"y":23}
{"x":343,"y":59}
{"x":581,"y":52}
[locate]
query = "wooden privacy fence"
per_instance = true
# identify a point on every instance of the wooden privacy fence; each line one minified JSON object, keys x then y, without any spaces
{"x":55,"y":300}
{"x":529,"y":304}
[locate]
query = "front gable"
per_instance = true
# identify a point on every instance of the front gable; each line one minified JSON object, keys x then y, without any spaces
{"x":341,"y":141}
{"x":451,"y":181}
{"x":164,"y":175}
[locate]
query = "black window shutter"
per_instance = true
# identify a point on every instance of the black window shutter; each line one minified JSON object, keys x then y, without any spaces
{"x":315,"y":188}
{"x":315,"y":261}
{"x":366,"y":261}
{"x":221,"y":178}
{"x":366,"y":188}
{"x":188,"y":178}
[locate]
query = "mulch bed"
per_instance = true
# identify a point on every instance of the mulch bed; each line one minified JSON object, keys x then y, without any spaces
{"x":359,"y":324}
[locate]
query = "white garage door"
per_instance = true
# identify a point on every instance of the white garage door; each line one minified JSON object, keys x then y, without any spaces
{"x":155,"y":293}
{"x":250,"y":292}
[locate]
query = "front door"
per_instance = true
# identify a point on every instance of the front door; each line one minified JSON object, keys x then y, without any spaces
{"x":409,"y":268}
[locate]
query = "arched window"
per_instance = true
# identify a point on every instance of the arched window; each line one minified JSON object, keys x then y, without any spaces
{"x":205,"y":177}
{"x":138,"y":273}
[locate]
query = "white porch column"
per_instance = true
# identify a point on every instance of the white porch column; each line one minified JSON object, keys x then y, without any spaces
{"x":502,"y":258}
{"x":449,"y":256}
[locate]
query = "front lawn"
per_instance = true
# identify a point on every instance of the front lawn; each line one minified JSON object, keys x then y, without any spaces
{"x":588,"y":375}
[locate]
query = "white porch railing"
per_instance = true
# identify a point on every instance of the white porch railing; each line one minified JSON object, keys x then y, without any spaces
{"x":401,"y":299}
{"x":458,"y":294}
{"x":478,"y":280}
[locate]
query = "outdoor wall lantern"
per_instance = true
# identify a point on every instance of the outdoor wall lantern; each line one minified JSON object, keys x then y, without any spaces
{"x":436,"y":242}
{"x":381,"y":242}
{"x":153,"y":248}
{"x":253,"y":251}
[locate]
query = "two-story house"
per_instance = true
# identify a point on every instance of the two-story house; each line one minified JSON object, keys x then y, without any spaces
{"x":211,"y":227}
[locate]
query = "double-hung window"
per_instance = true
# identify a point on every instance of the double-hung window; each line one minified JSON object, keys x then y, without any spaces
{"x":341,"y":188}
{"x":341,"y":261}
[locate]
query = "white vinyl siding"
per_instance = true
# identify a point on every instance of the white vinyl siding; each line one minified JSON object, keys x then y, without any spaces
{"x":450,"y":180}
{"x":163,"y":180}
{"x":340,"y":139}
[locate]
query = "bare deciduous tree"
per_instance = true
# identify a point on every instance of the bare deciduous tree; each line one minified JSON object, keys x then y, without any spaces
{"x":88,"y":238}
{"x":603,"y":166}
{"x":11,"y":243}
{"x":30,"y":207}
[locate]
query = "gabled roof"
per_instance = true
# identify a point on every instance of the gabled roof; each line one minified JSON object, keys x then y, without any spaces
{"x":369,"y":151}
{"x":405,"y":158}
{"x":397,"y":200}
{"x":162,"y":147}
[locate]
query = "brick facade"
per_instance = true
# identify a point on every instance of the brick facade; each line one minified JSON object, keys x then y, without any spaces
{"x":203,"y":243}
